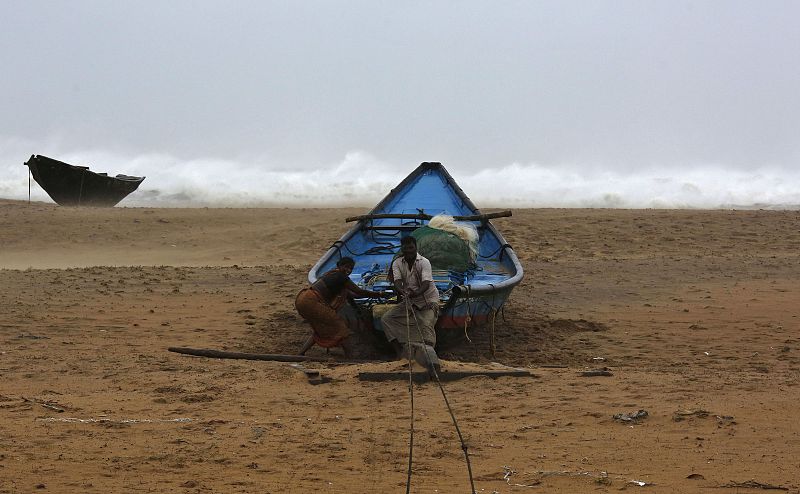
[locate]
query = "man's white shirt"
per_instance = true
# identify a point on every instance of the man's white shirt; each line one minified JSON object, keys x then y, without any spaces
{"x":413,"y":278}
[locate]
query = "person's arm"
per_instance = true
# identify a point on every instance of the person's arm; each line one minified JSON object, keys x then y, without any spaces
{"x":353,"y":288}
{"x":397,"y":279}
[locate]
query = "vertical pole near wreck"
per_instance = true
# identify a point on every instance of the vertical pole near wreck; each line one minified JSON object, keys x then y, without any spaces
{"x":29,"y":185}
{"x":80,"y":192}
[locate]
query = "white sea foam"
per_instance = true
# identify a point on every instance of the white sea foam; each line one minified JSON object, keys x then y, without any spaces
{"x":362,"y":180}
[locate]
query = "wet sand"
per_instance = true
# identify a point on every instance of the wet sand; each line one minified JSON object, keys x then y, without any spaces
{"x":693,"y":313}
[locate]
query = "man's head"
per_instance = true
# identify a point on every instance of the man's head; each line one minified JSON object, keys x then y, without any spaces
{"x":347,"y":264}
{"x":408,"y":247}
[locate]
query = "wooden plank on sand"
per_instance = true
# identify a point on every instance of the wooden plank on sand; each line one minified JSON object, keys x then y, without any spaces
{"x":444,"y":376}
{"x":274,"y":357}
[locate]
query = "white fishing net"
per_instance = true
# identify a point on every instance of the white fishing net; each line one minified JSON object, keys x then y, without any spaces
{"x":465,"y":231}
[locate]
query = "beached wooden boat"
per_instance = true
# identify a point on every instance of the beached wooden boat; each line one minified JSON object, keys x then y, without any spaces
{"x":469,"y":297}
{"x":71,"y":185}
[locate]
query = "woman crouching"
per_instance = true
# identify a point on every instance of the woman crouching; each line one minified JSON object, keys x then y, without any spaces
{"x":319,"y":303}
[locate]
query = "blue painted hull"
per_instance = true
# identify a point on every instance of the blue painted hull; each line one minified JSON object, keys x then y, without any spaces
{"x":469,"y":298}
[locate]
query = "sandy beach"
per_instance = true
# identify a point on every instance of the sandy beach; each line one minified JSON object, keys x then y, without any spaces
{"x":693,"y":313}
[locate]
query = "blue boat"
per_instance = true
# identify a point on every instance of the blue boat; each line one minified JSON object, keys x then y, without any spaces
{"x":469,"y":297}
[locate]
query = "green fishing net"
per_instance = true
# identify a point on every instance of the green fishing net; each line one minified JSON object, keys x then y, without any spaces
{"x":443,"y":249}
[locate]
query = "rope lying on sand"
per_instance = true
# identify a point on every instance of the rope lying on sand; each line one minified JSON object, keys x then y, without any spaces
{"x":411,"y":392}
{"x":432,"y":370}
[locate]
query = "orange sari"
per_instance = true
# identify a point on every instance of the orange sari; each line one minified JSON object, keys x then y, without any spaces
{"x":329,"y":329}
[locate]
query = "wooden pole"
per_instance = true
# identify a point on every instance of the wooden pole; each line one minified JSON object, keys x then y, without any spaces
{"x":80,"y":192}
{"x":444,"y":376}
{"x":423,"y":216}
{"x":203,"y":352}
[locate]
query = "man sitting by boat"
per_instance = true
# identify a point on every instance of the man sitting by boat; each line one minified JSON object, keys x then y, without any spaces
{"x":319,"y":303}
{"x":413,"y":319}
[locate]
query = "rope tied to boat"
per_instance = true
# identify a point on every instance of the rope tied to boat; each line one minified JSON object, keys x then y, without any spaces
{"x":411,"y":393}
{"x":338,"y":246}
{"x":501,"y":250}
{"x":435,"y":374}
{"x":468,"y":318}
{"x":493,"y":316}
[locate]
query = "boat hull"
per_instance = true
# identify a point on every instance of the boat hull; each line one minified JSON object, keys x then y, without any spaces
{"x":70,"y":185}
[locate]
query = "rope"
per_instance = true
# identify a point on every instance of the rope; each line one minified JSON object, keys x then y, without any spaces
{"x":500,"y":249}
{"x":432,"y":369}
{"x":378,"y":249}
{"x":493,"y":315}
{"x":469,"y":314}
{"x":383,"y":248}
{"x":338,"y":246}
{"x":411,"y":392}
{"x":458,"y":430}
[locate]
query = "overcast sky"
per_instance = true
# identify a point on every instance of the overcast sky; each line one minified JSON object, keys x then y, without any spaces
{"x":584,"y":85}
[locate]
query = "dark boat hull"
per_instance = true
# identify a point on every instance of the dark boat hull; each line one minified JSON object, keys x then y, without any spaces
{"x":70,"y":185}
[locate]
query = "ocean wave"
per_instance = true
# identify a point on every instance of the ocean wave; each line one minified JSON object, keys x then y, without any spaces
{"x":362,"y":180}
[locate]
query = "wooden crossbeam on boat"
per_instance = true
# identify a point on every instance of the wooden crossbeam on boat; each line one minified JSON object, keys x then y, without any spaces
{"x":423,"y":216}
{"x":395,"y":228}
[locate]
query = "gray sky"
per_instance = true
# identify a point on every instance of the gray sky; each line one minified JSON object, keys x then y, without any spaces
{"x":587,"y":85}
